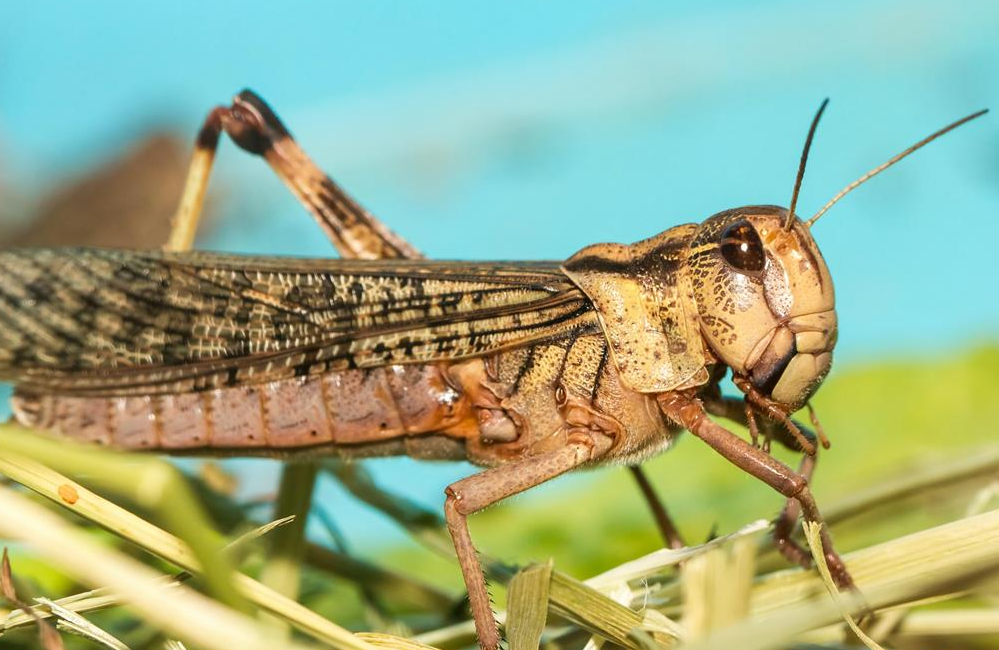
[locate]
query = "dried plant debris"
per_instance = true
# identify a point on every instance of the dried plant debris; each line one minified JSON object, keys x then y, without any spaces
{"x":527,"y":605}
{"x":47,"y":636}
{"x":70,"y":621}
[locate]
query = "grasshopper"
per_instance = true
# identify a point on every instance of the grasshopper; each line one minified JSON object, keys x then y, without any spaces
{"x":529,"y":369}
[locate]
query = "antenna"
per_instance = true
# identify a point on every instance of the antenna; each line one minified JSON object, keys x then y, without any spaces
{"x":801,"y":165}
{"x":894,"y":159}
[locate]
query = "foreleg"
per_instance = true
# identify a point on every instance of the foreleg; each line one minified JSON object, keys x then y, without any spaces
{"x":741,"y":411}
{"x":688,"y":412}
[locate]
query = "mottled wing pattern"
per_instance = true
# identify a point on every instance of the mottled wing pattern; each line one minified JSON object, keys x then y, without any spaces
{"x":94,"y":321}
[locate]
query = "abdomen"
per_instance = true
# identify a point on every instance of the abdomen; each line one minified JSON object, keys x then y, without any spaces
{"x":360,"y":409}
{"x":490,"y":410}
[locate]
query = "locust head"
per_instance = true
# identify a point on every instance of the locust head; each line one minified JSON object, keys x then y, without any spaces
{"x":765,"y":300}
{"x":764,"y":295}
{"x":747,"y":287}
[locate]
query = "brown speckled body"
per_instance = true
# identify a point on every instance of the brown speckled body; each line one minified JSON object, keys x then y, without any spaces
{"x":490,"y":362}
{"x":225,"y":355}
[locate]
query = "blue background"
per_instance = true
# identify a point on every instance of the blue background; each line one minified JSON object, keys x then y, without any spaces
{"x":527,"y":130}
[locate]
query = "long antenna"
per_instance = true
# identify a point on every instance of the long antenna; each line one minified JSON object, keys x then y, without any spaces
{"x":894,"y":159}
{"x":801,"y":164}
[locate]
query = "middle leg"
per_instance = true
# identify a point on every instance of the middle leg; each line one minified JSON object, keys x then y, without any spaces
{"x":477,"y":492}
{"x":667,"y":529}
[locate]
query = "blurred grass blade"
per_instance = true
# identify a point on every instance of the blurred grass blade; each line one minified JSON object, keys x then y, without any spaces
{"x":48,"y":636}
{"x":237,"y":546}
{"x":655,"y":562}
{"x":390,"y":642}
{"x":102,"y":598}
{"x":982,"y":463}
{"x":91,"y":506}
{"x":457,"y":635}
{"x":179,"y":611}
{"x":983,"y":499}
{"x":374,"y":610}
{"x":527,"y":606}
{"x":951,"y":623}
{"x":716,"y":586}
{"x":153,"y":483}
{"x":72,"y":622}
{"x":89,"y":601}
{"x":282,"y":570}
{"x":379,"y":579}
{"x":6,"y":579}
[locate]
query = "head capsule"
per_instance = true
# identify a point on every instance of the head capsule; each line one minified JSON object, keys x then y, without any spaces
{"x":765,"y":300}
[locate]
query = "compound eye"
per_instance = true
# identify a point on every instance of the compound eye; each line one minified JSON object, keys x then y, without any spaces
{"x":742,"y":249}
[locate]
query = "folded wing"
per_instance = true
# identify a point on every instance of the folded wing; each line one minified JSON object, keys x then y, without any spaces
{"x":103,"y":322}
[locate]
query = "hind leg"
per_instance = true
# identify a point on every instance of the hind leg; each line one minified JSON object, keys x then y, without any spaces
{"x":255,"y":128}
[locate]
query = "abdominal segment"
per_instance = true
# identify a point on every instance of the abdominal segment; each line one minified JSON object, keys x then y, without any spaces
{"x":349,"y":408}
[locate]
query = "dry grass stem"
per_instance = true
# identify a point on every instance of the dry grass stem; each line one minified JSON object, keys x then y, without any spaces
{"x":655,"y":562}
{"x":813,"y":535}
{"x":158,"y":542}
{"x":178,"y":611}
{"x":102,"y":598}
{"x":931,"y":477}
{"x":70,"y":621}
